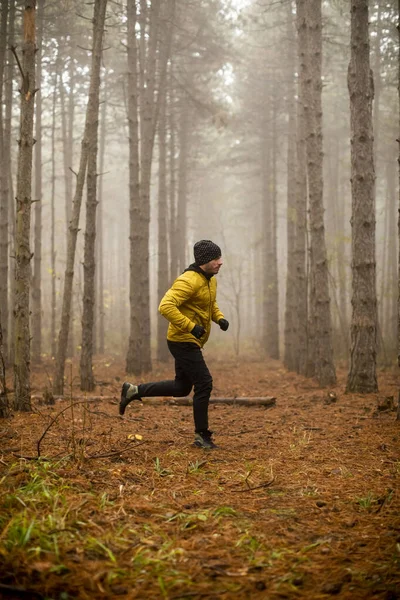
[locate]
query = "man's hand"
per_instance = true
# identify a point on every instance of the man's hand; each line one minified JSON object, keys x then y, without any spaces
{"x":198,"y":331}
{"x":224,"y":324}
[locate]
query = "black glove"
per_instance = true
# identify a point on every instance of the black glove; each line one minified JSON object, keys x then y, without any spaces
{"x":198,"y":331}
{"x":224,"y":324}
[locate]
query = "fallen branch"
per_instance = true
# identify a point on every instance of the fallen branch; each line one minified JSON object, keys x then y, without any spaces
{"x":251,"y":401}
{"x":79,"y":398}
{"x":54,"y":420}
{"x":262,"y":401}
{"x":116,"y":452}
{"x":256,"y":487}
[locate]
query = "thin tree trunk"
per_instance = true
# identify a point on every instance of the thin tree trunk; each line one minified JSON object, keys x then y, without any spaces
{"x":398,"y":220}
{"x":142,"y":230}
{"x":390,"y":303}
{"x":3,"y":189}
{"x":8,"y":334}
{"x":181,"y":220}
{"x":134,"y":206}
{"x":291,"y":298}
{"x":89,"y":263}
{"x":162,"y":274}
{"x":4,"y":407}
{"x":163,"y":271}
{"x":173,"y":242}
{"x":266,"y":217}
{"x":324,"y":367}
{"x":22,"y":370}
{"x":272,"y":346}
{"x":362,"y":375}
{"x":139,"y":352}
{"x":67,"y":127}
{"x":301,"y":286}
{"x":90,"y":123}
{"x":53,"y":253}
{"x":37,"y":255}
{"x":100,"y":225}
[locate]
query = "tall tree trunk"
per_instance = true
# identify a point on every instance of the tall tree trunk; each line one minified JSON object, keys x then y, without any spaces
{"x":291,"y":297}
{"x":181,"y":219}
{"x":53,"y":253}
{"x":142,"y":231}
{"x":272,"y":346}
{"x":100,"y":226}
{"x":398,"y":220}
{"x":8,"y":334}
{"x":89,"y":263}
{"x":90,"y":124}
{"x":163,"y":271}
{"x":324,"y":367}
{"x":37,"y":255}
{"x":301,"y":286}
{"x":362,"y":375}
{"x":266,"y":222}
{"x":162,"y":274}
{"x":67,"y":127}
{"x":3,"y":190}
{"x":22,"y":370}
{"x":134,"y":339}
{"x":173,"y":242}
{"x":389,"y":326}
{"x":139,"y":352}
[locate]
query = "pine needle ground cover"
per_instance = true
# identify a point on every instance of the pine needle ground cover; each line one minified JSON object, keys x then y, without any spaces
{"x":301,"y":500}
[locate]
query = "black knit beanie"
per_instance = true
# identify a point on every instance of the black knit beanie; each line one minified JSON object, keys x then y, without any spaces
{"x":204,"y":251}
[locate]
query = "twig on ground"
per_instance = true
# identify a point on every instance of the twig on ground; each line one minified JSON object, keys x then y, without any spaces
{"x":256,"y":487}
{"x":116,"y":452}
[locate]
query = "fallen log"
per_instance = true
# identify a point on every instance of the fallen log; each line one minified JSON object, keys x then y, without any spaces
{"x":261,"y":401}
{"x":251,"y":401}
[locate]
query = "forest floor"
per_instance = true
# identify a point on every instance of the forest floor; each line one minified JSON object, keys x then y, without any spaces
{"x":300,"y":500}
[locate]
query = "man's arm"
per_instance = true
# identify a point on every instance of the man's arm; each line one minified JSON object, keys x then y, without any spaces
{"x":179,"y":293}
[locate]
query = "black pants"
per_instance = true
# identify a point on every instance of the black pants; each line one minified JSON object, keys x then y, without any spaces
{"x":190,"y":370}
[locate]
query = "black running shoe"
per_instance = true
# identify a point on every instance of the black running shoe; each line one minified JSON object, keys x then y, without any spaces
{"x":203,"y":439}
{"x":129,"y":392}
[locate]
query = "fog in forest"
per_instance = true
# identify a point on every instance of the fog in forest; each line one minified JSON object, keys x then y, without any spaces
{"x":212,"y":91}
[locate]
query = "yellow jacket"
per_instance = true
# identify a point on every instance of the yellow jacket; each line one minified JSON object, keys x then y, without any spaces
{"x":190,"y":301}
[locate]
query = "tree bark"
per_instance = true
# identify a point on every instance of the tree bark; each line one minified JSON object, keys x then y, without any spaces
{"x":362,"y":375}
{"x":53,"y":253}
{"x":139,"y":352}
{"x":37,"y":255}
{"x":319,"y":297}
{"x":4,"y":407}
{"x":291,"y":297}
{"x":162,"y":273}
{"x":398,"y":220}
{"x":90,"y":124}
{"x":100,"y":227}
{"x":389,"y":325}
{"x":173,"y":242}
{"x":67,"y":127}
{"x":89,"y":264}
{"x":4,"y":201}
{"x":134,"y":339}
{"x":272,"y":345}
{"x":8,"y":335}
{"x":181,"y":219}
{"x":22,"y":384}
{"x":301,"y":285}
